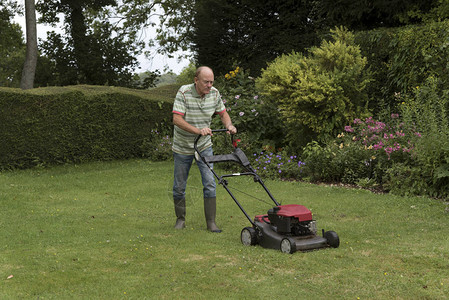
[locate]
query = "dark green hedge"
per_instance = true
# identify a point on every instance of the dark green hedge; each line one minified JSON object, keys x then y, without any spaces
{"x":78,"y":124}
{"x":402,"y":58}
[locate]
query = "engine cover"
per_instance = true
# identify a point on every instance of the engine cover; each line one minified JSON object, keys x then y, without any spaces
{"x":291,"y":218}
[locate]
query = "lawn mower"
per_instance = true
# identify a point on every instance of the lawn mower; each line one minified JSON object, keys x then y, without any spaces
{"x":288,"y":228}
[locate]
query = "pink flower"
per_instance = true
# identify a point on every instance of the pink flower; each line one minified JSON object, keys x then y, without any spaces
{"x":378,"y":146}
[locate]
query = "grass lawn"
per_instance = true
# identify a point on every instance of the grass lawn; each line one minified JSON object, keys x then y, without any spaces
{"x":105,"y":231}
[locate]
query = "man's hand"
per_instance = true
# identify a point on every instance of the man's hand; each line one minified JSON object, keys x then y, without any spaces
{"x":232,"y":129}
{"x":206,"y":131}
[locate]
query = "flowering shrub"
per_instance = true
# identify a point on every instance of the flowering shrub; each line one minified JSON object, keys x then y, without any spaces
{"x":363,"y":153}
{"x":158,"y":147}
{"x":277,"y":165}
{"x":382,"y":139}
{"x":249,"y":113}
{"x":427,"y":107}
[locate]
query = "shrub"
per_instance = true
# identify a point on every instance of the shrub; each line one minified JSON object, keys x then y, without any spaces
{"x":257,"y":119}
{"x":427,"y":107}
{"x":277,"y":165}
{"x":402,"y":58}
{"x":158,"y":146}
{"x":363,"y":152}
{"x":320,"y":93}
{"x":77,"y":124}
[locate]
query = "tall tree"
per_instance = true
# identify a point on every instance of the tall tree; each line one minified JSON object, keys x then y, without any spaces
{"x":250,"y":33}
{"x":29,"y":68}
{"x":101,"y":42}
{"x":370,"y":14}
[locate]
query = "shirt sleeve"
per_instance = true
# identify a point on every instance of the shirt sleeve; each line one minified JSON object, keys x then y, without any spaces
{"x":219,"y":106}
{"x":179,"y":106}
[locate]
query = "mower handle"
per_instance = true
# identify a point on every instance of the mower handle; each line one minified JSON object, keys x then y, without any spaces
{"x":213,"y":130}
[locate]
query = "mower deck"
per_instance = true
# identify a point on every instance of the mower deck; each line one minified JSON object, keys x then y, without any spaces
{"x":272,"y":239}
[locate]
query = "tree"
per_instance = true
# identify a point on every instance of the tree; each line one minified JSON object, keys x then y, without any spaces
{"x":101,"y":42}
{"x":250,"y":33}
{"x":370,"y":14}
{"x":12,"y":48}
{"x":29,"y":68}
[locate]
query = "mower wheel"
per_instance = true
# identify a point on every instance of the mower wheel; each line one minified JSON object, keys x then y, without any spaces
{"x":248,"y":236}
{"x":288,"y":245}
{"x":332,"y":239}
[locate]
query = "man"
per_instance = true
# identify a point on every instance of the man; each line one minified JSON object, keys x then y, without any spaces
{"x":194,"y":106}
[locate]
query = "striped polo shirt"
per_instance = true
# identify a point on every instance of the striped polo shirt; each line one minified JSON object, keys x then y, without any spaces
{"x":198,"y":112}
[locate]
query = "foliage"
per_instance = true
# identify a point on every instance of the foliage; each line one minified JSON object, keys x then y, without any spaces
{"x":365,"y":151}
{"x":187,"y":74}
{"x":158,"y":146}
{"x":146,"y":80}
{"x":365,"y":15}
{"x":166,"y":79}
{"x":85,"y":123}
{"x":403,"y":58}
{"x":249,"y":112}
{"x":277,"y":165}
{"x":437,"y":10}
{"x":419,"y":52}
{"x":320,"y":93}
{"x":250,"y":33}
{"x":427,"y":107}
{"x":12,"y":47}
{"x":107,"y":30}
{"x":175,"y":30}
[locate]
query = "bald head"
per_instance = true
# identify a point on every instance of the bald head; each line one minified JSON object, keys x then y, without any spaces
{"x":204,"y":79}
{"x":203,"y":69}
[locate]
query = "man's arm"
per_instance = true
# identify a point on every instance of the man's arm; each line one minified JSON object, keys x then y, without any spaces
{"x":179,"y":121}
{"x":226,"y":120}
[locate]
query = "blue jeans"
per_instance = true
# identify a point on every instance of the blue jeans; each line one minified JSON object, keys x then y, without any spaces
{"x":181,"y":173}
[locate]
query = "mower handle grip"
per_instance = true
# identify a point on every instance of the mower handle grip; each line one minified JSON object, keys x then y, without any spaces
{"x":213,"y":130}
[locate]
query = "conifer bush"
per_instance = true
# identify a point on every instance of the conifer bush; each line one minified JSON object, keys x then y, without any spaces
{"x":321,"y":92}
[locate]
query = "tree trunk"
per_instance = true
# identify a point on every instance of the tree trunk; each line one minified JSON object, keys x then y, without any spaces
{"x":29,"y":68}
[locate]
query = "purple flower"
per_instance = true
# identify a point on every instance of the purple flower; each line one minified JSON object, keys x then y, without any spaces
{"x":241,"y":113}
{"x":349,"y":129}
{"x":237,"y":97}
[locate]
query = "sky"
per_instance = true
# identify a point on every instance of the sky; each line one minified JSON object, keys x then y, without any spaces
{"x":158,"y":62}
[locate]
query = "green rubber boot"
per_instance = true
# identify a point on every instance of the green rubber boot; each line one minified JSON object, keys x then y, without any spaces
{"x":210,"y":208}
{"x":180,"y":211}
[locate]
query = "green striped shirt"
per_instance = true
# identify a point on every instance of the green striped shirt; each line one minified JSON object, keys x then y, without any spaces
{"x":198,"y":112}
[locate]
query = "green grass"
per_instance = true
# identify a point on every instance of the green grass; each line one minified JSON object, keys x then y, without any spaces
{"x":105,"y":231}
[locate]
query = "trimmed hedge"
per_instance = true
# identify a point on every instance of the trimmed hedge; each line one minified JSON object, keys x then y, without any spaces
{"x":75,"y":124}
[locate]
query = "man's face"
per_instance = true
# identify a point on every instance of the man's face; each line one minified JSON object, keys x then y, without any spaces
{"x":204,"y":82}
